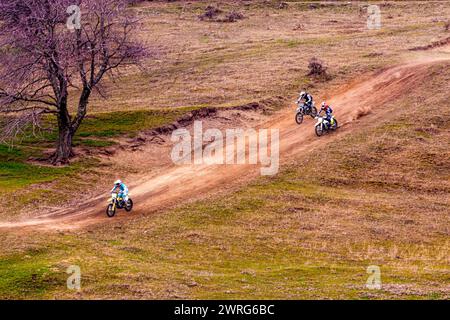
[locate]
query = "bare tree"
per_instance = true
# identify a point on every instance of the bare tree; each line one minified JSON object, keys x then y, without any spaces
{"x":52,"y":48}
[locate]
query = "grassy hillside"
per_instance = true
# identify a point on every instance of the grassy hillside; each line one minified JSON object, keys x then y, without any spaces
{"x":205,"y":63}
{"x":267,"y":53}
{"x":377,"y":197}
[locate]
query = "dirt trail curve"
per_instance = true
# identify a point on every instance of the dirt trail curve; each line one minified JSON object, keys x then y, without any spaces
{"x":183,"y":183}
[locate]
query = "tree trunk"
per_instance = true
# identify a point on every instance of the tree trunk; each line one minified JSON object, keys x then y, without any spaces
{"x":64,"y":149}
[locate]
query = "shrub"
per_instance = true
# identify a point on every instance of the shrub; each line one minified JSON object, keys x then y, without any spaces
{"x":316,"y":67}
{"x":215,"y":14}
{"x":210,"y":13}
{"x":233,"y":16}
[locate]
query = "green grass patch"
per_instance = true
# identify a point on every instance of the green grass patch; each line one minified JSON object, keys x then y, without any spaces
{"x":130,"y":122}
{"x":28,"y":276}
{"x":15,"y":173}
{"x":93,"y":143}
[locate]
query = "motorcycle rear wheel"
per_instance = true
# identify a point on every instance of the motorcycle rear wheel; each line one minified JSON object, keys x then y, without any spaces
{"x":313,"y":112}
{"x":110,"y":211}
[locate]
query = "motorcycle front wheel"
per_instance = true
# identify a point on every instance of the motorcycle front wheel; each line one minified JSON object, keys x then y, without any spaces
{"x":299,"y":118}
{"x":129,"y":205}
{"x":110,"y":211}
{"x":319,"y":130}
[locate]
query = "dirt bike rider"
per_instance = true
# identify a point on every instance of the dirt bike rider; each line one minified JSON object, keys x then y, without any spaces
{"x":123,"y":190}
{"x":309,"y":101}
{"x":328,"y":113}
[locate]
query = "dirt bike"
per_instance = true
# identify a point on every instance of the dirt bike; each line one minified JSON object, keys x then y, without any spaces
{"x":304,"y":110}
{"x":117,"y":202}
{"x":323,"y":126}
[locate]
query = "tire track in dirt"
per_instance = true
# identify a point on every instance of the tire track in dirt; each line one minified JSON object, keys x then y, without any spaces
{"x":180,"y":184}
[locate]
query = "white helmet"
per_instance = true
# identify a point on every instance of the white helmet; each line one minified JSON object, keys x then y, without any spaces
{"x":117,"y":182}
{"x":302,"y":93}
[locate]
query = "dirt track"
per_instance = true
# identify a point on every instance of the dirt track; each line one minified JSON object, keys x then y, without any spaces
{"x":182,"y":183}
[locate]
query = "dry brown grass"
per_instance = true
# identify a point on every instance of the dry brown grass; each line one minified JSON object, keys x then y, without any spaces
{"x":373,"y":197}
{"x":208,"y":63}
{"x":379,"y":196}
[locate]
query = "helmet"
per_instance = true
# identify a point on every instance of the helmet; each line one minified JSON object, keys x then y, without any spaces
{"x":302,"y":94}
{"x":117,"y":182}
{"x":324,"y":105}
